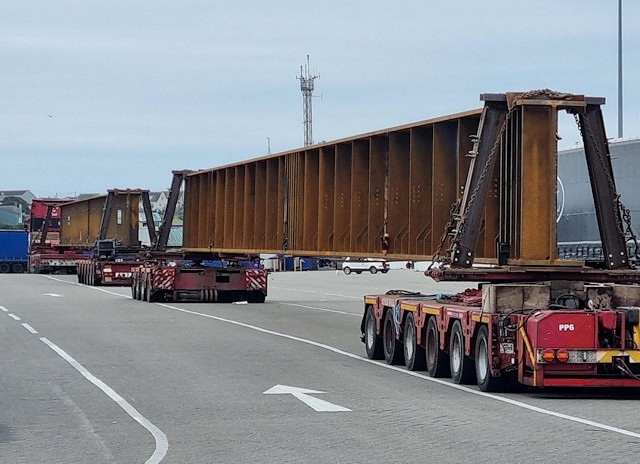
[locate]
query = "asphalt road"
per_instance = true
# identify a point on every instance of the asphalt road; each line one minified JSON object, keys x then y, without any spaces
{"x":88,"y":375}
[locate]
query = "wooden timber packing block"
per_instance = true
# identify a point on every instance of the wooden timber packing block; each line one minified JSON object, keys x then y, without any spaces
{"x":503,"y":298}
{"x":600,"y":295}
{"x":626,"y":295}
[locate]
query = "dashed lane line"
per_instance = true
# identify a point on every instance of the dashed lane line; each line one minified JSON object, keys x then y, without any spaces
{"x":161,"y":441}
{"x":468,"y":390}
{"x":29,"y":328}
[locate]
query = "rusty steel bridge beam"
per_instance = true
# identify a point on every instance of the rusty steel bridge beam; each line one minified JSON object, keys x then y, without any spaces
{"x":390,"y":193}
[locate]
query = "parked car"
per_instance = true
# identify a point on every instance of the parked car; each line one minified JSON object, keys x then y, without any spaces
{"x":358,"y":265}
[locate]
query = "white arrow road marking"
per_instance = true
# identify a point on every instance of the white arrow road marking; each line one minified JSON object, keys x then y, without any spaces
{"x":55,"y":295}
{"x":301,"y":393}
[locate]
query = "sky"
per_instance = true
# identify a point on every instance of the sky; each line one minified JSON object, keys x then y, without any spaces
{"x":96,"y":95}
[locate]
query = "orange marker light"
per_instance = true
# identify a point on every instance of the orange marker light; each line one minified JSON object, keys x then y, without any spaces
{"x":562,"y":355}
{"x":548,"y":355}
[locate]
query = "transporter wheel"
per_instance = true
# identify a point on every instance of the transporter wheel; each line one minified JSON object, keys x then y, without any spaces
{"x":254,"y":297}
{"x":414,"y":355}
{"x":139,"y":289}
{"x":5,"y":268}
{"x":148,"y":294}
{"x":372,"y":341}
{"x":133,"y":287}
{"x":462,"y":367}
{"x":17,"y":268}
{"x":346,"y":270}
{"x":436,"y":359}
{"x":392,"y":347}
{"x":373,"y":270}
{"x":486,"y":381}
{"x":143,"y":290}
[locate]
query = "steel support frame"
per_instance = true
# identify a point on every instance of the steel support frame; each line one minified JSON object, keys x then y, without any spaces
{"x":45,"y":225}
{"x":106,"y":214}
{"x":148,"y":214}
{"x":605,"y":196}
{"x":174,"y":193}
{"x":479,"y":178}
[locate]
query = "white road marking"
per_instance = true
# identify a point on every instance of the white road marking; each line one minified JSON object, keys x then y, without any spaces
{"x":85,"y":423}
{"x":516,"y":403}
{"x":13,"y":316}
{"x":318,"y":309}
{"x":29,"y":328}
{"x":317,"y":293}
{"x":162,"y":444}
{"x":471,"y":391}
{"x":55,"y":295}
{"x":302,"y":394}
{"x":97,"y":289}
{"x":276,"y":302}
{"x":4,"y":309}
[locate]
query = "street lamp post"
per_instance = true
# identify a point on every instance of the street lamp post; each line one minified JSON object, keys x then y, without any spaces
{"x":620,"y":69}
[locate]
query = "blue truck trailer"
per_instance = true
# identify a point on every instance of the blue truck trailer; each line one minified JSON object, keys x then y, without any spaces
{"x":14,"y":251}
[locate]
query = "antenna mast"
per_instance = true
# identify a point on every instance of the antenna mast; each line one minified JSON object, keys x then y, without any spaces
{"x":306,"y":86}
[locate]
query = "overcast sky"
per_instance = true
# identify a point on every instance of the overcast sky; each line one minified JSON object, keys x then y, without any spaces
{"x":116,"y":94}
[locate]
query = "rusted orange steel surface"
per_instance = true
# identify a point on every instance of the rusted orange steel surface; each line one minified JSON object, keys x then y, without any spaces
{"x":80,"y":221}
{"x":338,"y":198}
{"x":343,"y":198}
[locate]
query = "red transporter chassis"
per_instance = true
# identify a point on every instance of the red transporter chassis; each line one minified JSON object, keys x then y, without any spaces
{"x":91,"y":272}
{"x":54,"y":261}
{"x":177,"y":281}
{"x":537,"y":347}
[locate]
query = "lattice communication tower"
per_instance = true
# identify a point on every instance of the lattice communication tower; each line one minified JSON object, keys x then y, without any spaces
{"x":306,"y":86}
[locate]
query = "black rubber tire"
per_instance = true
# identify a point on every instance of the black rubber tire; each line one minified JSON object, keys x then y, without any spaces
{"x":5,"y":268}
{"x":372,"y":341}
{"x":393,"y":352}
{"x":346,"y":270}
{"x":358,"y":272}
{"x":414,"y":355}
{"x":148,"y":295}
{"x":256,"y":296}
{"x":17,"y":268}
{"x":385,"y":271}
{"x":133,"y":287}
{"x":462,"y":367}
{"x":436,"y":359}
{"x":486,"y":381}
{"x":373,"y":270}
